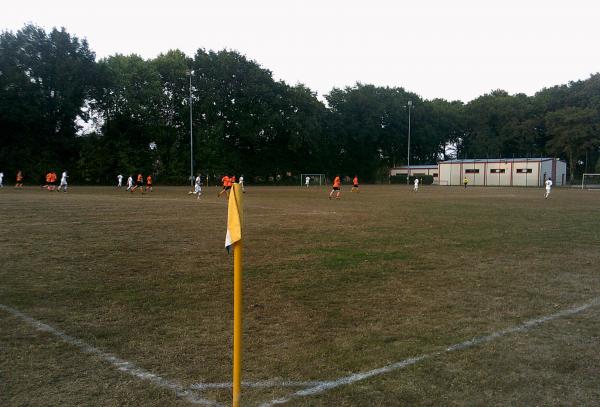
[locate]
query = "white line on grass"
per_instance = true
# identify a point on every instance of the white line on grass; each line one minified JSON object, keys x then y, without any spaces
{"x":262,"y":384}
{"x":95,"y":221}
{"x":121,"y":364}
{"x":324,"y":386}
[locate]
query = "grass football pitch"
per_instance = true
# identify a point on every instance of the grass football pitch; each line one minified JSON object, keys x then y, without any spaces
{"x":483,"y":296}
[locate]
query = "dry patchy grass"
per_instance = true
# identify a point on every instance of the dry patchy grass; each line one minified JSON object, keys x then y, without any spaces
{"x":331,"y":288}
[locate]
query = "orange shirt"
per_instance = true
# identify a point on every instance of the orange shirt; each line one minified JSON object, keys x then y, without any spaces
{"x":149,"y":180}
{"x":337,"y":182}
{"x":19,"y":176}
{"x":225,"y":181}
{"x":355,"y":181}
{"x":53,"y":176}
{"x":48,"y":177}
{"x":140,"y":178}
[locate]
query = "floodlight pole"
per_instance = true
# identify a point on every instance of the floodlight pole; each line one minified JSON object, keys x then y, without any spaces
{"x":409,"y":105}
{"x":190,"y":73}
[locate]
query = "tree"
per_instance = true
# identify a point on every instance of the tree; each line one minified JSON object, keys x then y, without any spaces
{"x":574,"y":131}
{"x":44,"y":80}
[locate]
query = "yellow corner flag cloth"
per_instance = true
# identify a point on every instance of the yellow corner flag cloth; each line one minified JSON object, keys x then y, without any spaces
{"x":235,"y":216}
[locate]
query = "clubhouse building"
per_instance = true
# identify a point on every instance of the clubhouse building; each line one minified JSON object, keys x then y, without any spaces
{"x":522,"y":172}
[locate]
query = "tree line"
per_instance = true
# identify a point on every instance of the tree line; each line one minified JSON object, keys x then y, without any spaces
{"x":61,"y":108}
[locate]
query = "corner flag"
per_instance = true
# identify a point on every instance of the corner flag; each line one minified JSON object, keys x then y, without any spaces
{"x":234,"y":217}
{"x":234,"y":238}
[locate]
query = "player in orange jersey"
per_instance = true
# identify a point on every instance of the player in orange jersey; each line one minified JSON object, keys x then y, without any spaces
{"x":149,"y":183}
{"x":355,"y":184}
{"x":19,"y":183}
{"x":48,"y":181}
{"x":53,"y":179}
{"x":337,"y":183}
{"x":139,"y":183}
{"x":226,"y":185}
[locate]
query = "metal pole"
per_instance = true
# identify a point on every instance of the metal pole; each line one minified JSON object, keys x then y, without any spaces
{"x":191,"y":136}
{"x":408,"y":155}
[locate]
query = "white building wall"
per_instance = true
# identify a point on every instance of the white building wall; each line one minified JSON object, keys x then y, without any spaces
{"x":546,"y":171}
{"x":521,"y":172}
{"x":561,"y":173}
{"x":474,"y":173}
{"x":498,"y":173}
{"x":522,"y":178}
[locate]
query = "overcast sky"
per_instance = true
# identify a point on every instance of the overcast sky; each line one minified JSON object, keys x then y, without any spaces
{"x":448,"y":49}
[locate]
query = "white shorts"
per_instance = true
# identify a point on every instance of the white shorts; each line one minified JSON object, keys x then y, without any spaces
{"x":197,"y":189}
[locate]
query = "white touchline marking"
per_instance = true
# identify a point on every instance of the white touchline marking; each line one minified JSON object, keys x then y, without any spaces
{"x":255,"y":385}
{"x":96,"y":221}
{"x":355,"y":377}
{"x":121,"y":364}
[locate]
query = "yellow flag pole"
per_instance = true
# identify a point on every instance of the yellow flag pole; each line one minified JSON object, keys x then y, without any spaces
{"x":237,"y":322}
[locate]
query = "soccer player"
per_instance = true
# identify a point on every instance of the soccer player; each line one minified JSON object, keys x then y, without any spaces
{"x":307,"y":181}
{"x":416,"y":189}
{"x":139,"y":183}
{"x":241,"y":182}
{"x":465,"y":182}
{"x":63,"y":181}
{"x":19,"y":183}
{"x":48,"y":181}
{"x":53,"y":179}
{"x":119,"y":181}
{"x":198,"y":186}
{"x":354,"y":184}
{"x":129,"y":183}
{"x":337,"y":182}
{"x":1,"y":179}
{"x":149,"y":183}
{"x":226,"y":186}
{"x":548,"y":188}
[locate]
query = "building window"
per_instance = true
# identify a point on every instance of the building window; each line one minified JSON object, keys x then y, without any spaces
{"x":471,"y":170}
{"x":497,"y":170}
{"x":524,"y":170}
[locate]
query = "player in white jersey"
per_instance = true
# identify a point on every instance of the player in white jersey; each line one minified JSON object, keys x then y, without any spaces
{"x":129,"y":183}
{"x":198,"y":186}
{"x":241,"y":182}
{"x":548,"y":188}
{"x":416,"y":189}
{"x":119,"y":181}
{"x":63,"y":181}
{"x":1,"y":179}
{"x":307,"y":182}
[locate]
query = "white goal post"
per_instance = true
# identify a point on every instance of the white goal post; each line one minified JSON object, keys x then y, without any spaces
{"x":320,"y":178}
{"x":590,"y":181}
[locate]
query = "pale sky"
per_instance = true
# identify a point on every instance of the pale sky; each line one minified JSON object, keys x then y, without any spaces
{"x":457,"y":49}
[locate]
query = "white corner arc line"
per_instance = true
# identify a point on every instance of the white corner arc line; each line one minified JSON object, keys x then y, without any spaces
{"x":255,"y":385}
{"x":121,"y":364}
{"x":355,"y":377}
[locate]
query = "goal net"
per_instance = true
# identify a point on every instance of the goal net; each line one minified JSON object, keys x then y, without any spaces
{"x":590,"y":181}
{"x":313,"y":179}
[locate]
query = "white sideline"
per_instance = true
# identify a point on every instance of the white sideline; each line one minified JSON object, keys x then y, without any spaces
{"x":355,"y":377}
{"x":121,"y":364}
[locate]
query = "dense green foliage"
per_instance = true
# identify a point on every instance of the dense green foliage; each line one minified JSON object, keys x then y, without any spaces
{"x":60,"y":108}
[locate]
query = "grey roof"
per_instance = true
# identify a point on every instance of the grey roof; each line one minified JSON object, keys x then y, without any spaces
{"x":415,"y":166}
{"x":488,"y":160}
